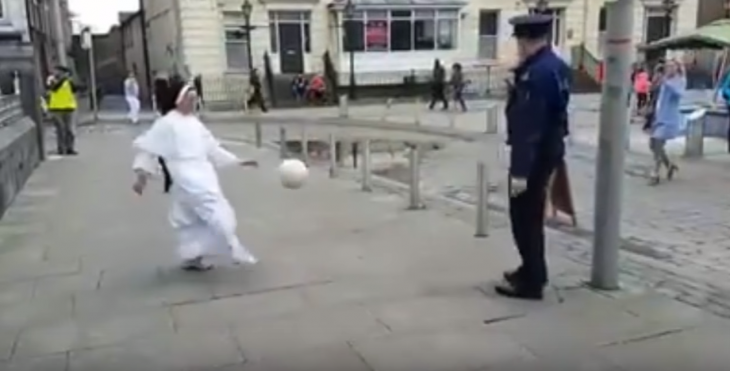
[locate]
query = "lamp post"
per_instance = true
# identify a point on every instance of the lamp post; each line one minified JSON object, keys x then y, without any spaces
{"x":349,"y":15}
{"x":246,"y":10}
{"x":87,"y":43}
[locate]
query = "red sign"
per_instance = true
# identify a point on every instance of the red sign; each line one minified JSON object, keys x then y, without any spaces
{"x":376,"y":35}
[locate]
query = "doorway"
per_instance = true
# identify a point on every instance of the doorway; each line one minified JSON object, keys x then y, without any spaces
{"x":658,"y":26}
{"x":291,"y":51}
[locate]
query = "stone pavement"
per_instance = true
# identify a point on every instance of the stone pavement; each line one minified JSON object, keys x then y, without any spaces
{"x":675,"y":236}
{"x":348,"y":280}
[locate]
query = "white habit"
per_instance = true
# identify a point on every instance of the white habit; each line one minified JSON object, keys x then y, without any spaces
{"x":202,"y":217}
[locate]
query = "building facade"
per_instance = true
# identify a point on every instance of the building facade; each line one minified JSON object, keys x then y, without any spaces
{"x":389,"y":38}
{"x":37,"y":22}
{"x":134,"y":51}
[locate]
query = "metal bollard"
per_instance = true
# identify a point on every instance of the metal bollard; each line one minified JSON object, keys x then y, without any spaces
{"x":414,"y":187}
{"x":305,"y":145}
{"x":333,"y":156}
{"x":258,"y":132}
{"x":482,"y":200}
{"x":283,"y":152}
{"x":694,"y":142}
{"x":343,"y":105}
{"x":417,"y":112}
{"x":492,"y":120}
{"x":365,"y":167}
{"x":388,"y":105}
{"x":452,"y":119}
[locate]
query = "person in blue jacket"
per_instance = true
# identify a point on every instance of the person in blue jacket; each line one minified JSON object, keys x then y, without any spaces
{"x":537,"y":121}
{"x":724,"y":92}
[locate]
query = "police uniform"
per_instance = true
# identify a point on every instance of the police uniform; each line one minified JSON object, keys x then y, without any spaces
{"x":537,"y":124}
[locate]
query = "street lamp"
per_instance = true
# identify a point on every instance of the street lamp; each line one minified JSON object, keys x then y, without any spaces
{"x":87,"y":43}
{"x":246,"y":10}
{"x":349,"y":35}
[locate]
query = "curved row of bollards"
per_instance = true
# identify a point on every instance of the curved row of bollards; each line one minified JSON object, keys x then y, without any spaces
{"x":415,"y":201}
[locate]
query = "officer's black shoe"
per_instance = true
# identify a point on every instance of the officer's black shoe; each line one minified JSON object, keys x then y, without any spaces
{"x":513,"y":276}
{"x":518,"y":291}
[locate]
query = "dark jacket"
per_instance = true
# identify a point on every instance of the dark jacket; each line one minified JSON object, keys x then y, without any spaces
{"x":536,"y":112}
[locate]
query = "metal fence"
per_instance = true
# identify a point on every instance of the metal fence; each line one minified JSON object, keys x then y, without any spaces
{"x":227,"y":91}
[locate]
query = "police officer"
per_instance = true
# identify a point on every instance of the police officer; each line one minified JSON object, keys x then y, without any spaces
{"x":537,"y":123}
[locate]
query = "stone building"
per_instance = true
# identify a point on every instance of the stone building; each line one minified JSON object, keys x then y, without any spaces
{"x":390,"y":37}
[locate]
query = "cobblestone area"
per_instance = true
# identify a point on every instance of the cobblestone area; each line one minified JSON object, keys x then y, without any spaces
{"x":676,"y":236}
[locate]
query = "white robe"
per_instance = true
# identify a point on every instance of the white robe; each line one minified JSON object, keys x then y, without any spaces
{"x":131,"y":95}
{"x":202,"y":217}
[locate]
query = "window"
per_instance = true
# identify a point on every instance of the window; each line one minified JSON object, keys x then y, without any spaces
{"x":379,"y":30}
{"x":354,"y":35}
{"x":401,"y":27}
{"x":557,"y":31}
{"x":602,"y":30}
{"x":424,"y":30}
{"x":488,"y":34}
{"x":277,"y":18}
{"x":236,"y":50}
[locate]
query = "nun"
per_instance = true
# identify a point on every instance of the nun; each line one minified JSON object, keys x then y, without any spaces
{"x":187,"y":153}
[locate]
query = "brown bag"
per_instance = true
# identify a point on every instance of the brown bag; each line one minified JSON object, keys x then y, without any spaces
{"x":560,"y":196}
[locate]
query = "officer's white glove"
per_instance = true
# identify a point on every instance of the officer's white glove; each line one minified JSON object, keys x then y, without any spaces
{"x":517,"y":186}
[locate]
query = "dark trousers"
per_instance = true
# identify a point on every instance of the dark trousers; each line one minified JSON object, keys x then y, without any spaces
{"x":641,"y":100}
{"x":527,"y":216}
{"x":65,"y":138}
{"x":257,"y":99}
{"x":459,"y":98}
{"x":438,"y":95}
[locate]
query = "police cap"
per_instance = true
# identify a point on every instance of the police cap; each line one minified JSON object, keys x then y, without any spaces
{"x":531,"y":26}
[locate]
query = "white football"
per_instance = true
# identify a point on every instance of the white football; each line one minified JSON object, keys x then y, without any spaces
{"x":293,"y":173}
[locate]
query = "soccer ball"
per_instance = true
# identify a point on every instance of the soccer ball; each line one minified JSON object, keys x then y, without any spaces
{"x":293,"y":173}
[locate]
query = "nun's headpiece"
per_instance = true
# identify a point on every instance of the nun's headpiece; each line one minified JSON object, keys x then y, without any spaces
{"x":172,"y":92}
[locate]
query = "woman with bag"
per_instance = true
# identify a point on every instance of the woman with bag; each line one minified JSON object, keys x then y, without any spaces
{"x":668,"y":118}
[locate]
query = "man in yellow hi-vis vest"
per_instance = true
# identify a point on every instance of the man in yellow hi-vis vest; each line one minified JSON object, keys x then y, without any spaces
{"x":62,"y":106}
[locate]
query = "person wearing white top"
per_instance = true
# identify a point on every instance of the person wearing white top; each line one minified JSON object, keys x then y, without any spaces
{"x":131,"y":94}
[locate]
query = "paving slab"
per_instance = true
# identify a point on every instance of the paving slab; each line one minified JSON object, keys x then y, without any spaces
{"x":347,"y":279}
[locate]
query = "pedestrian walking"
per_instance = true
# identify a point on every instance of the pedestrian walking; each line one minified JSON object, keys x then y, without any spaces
{"x":131,"y":95}
{"x":438,"y":86}
{"x":537,"y":122}
{"x":256,"y":95}
{"x":668,"y":119}
{"x":457,"y":85}
{"x":62,"y":106}
{"x":642,"y":86}
{"x":203,"y":219}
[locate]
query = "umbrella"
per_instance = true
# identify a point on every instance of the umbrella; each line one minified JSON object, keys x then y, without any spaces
{"x":715,"y":35}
